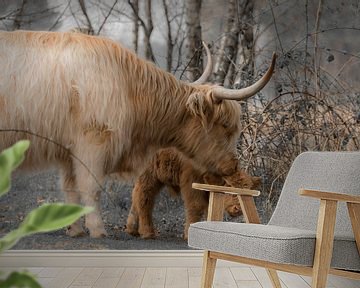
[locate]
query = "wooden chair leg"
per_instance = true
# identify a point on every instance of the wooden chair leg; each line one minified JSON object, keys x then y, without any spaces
{"x":215,"y":213}
{"x":251,"y":216}
{"x":354,"y":212}
{"x":208,"y":271}
{"x":274,"y":278}
{"x":324,"y":243}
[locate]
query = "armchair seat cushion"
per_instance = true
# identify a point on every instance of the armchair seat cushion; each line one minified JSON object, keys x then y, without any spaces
{"x":270,"y":243}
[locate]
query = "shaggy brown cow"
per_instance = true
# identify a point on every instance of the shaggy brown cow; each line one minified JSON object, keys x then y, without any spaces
{"x":110,"y":109}
{"x":171,"y":169}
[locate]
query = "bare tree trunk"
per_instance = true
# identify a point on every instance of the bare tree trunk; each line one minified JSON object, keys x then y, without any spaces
{"x":136,"y":25}
{"x":170,"y":43}
{"x":146,"y":24}
{"x":245,"y":55}
{"x":228,"y":44}
{"x":245,"y":51}
{"x":236,"y":68}
{"x":149,"y":28}
{"x":193,"y":29}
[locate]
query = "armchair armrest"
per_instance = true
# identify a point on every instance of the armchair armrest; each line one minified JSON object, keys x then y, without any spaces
{"x":216,"y":201}
{"x":224,"y":189}
{"x":328,"y":204}
{"x":323,"y":195}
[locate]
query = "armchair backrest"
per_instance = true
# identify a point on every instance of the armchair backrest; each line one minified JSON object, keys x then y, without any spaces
{"x":326,"y":171}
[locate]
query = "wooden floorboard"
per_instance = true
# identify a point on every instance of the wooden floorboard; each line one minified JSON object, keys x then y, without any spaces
{"x":177,"y":277}
{"x":170,"y":277}
{"x":144,"y":269}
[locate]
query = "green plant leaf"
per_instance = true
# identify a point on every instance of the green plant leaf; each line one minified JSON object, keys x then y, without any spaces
{"x":10,"y":159}
{"x":48,"y":217}
{"x":20,"y":280}
{"x":10,"y":239}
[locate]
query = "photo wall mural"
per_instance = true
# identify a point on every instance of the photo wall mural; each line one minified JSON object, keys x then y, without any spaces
{"x":126,"y":106}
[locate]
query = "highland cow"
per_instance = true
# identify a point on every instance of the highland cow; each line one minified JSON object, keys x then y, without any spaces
{"x":108,"y":111}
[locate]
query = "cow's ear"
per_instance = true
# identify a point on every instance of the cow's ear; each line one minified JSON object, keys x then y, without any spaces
{"x":213,"y":179}
{"x":200,"y":106}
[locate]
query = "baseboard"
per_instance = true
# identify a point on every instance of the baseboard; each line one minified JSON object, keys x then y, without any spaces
{"x":105,"y":258}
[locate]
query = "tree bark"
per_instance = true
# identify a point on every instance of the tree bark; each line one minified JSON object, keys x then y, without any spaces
{"x":228,"y":45}
{"x":135,"y":4}
{"x":234,"y":65}
{"x":170,"y":43}
{"x":244,"y":73}
{"x":148,"y":30}
{"x":193,"y":43}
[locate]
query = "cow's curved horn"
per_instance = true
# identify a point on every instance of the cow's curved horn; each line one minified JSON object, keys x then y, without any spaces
{"x":208,"y":69}
{"x":221,"y":93}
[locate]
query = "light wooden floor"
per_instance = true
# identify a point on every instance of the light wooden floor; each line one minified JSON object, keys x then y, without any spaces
{"x":143,"y":269}
{"x":167,"y":277}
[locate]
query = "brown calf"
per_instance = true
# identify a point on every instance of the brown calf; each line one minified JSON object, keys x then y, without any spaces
{"x":171,"y":169}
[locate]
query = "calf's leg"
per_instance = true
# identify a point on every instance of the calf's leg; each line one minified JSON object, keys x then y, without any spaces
{"x":196,"y":205}
{"x":132,"y":223}
{"x":145,"y":191}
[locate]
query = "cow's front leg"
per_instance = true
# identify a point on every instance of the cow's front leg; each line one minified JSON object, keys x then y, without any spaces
{"x":90,"y":186}
{"x":72,"y":197}
{"x":93,"y":220}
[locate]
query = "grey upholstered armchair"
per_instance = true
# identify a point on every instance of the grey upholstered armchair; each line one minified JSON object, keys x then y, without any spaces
{"x":310,"y":232}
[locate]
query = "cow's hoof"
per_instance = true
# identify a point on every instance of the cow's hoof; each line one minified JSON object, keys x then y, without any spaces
{"x":148,"y":235}
{"x":98,"y":234}
{"x":132,"y":231}
{"x":75,"y":232}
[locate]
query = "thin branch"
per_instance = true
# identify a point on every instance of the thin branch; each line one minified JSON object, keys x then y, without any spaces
{"x":278,"y":37}
{"x":106,"y":17}
{"x":58,"y":145}
{"x":147,"y":30}
{"x":10,"y":14}
{"x":83,"y":9}
{"x":60,"y":16}
{"x":17,"y":21}
{"x":316,"y":56}
{"x":306,"y":42}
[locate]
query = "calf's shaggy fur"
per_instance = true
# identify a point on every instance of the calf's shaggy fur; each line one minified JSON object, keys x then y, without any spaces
{"x":171,"y":169}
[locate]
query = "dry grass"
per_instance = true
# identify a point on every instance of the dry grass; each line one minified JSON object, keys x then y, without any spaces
{"x":275,"y":132}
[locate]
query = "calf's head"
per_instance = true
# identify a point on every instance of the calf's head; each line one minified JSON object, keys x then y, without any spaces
{"x":240,"y":179}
